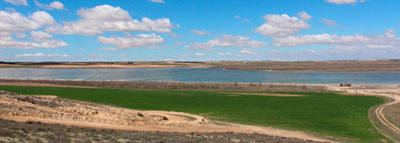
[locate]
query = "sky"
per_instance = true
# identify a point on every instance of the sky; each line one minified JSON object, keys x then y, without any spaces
{"x":199,"y":30}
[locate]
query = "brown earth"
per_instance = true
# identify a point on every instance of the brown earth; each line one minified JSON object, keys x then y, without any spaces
{"x":313,"y":66}
{"x":38,"y":132}
{"x":53,"y":110}
{"x":393,"y":114}
{"x":41,"y":84}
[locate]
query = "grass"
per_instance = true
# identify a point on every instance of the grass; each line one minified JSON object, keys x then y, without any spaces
{"x":326,"y":114}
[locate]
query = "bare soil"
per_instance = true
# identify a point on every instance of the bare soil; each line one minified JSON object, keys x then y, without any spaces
{"x":393,"y":114}
{"x":52,"y":110}
{"x":41,"y":84}
{"x":38,"y":132}
{"x":313,"y":66}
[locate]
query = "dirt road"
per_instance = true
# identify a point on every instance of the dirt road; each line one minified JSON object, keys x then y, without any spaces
{"x":389,"y":91}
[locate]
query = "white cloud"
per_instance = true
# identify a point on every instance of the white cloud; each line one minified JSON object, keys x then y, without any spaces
{"x":41,"y":55}
{"x":344,"y":1}
{"x":330,"y":23}
{"x":54,"y":5}
{"x":16,"y":22}
{"x":281,"y":25}
{"x":199,"y":54}
{"x":40,"y":35}
{"x":247,"y":51}
{"x":157,"y":1}
{"x":304,"y":15}
{"x":102,"y":18}
{"x":379,"y":47}
{"x":200,"y":32}
{"x":229,"y":41}
{"x":17,"y":2}
{"x":108,"y":49}
{"x":388,"y":38}
{"x":137,"y":41}
{"x":6,"y":41}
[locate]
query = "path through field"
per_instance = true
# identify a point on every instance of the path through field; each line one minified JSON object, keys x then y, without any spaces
{"x":389,"y":91}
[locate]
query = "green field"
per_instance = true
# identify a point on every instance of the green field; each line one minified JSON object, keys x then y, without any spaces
{"x":326,"y":114}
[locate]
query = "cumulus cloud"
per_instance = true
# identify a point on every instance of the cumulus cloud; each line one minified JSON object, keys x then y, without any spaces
{"x":40,"y":35}
{"x":229,"y":41}
{"x":102,"y":18}
{"x":137,"y":41}
{"x":344,"y":1}
{"x":157,"y":1}
{"x":330,"y":23}
{"x":54,"y":5}
{"x":8,"y":42}
{"x":200,"y":32}
{"x":388,"y":38}
{"x":304,"y":15}
{"x":281,"y":25}
{"x":16,"y":22}
{"x":17,"y":2}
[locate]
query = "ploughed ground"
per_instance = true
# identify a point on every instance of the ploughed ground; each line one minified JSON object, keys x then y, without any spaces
{"x":44,"y":119}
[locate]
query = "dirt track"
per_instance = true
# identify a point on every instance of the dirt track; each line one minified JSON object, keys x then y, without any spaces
{"x":389,"y":91}
{"x":50,"y":109}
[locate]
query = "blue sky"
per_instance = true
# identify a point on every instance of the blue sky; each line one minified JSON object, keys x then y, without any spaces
{"x":198,"y":30}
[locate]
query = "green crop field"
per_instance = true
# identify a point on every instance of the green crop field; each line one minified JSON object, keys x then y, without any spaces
{"x":325,"y":114}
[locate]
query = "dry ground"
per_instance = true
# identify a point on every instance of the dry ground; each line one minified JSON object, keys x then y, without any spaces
{"x":313,"y":66}
{"x":11,"y":131}
{"x":393,"y":114}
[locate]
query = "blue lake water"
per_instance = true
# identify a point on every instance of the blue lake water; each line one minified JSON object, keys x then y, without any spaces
{"x":201,"y":75}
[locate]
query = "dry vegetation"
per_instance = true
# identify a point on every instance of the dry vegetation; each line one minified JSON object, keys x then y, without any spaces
{"x":177,"y":85}
{"x":30,"y":131}
{"x":393,"y":114}
{"x":314,"y":66}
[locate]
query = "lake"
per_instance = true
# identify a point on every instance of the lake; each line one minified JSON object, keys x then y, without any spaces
{"x":201,"y":75}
